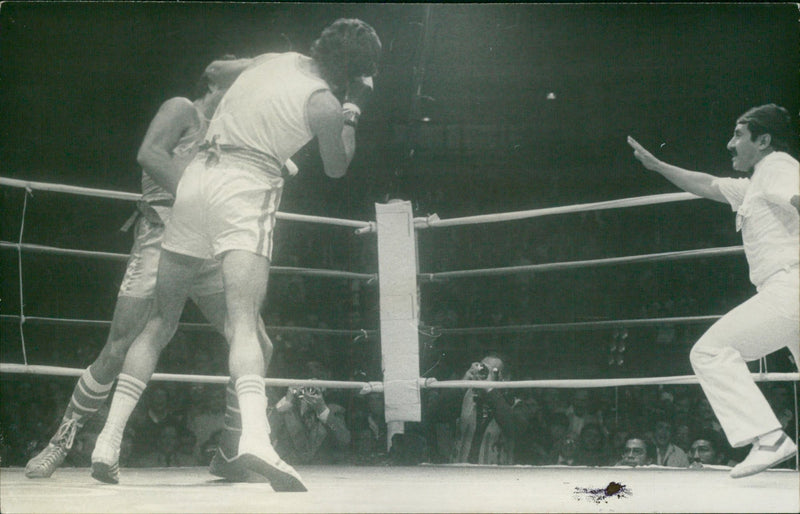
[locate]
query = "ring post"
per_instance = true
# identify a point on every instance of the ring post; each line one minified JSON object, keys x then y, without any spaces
{"x":399,"y":311}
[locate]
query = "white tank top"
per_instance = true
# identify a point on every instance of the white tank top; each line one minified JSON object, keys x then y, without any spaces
{"x":265,"y":108}
{"x":182,"y":155}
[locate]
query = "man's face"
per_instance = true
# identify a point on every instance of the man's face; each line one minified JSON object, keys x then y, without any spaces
{"x":662,"y":433}
{"x":635,"y":453}
{"x":703,"y":451}
{"x":744,"y":151}
{"x":493,"y":363}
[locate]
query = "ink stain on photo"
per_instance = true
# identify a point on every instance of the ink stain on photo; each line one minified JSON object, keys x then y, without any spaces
{"x":612,"y":490}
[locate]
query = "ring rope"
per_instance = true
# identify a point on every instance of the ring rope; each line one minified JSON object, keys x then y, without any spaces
{"x":34,"y":248}
{"x":433,"y":221}
{"x":364,"y":387}
{"x":369,"y":278}
{"x":434,"y":331}
{"x":432,"y":383}
{"x":578,"y":325}
{"x":555,"y":266}
{"x":21,"y":319}
{"x":362,"y":226}
{"x":61,"y":188}
{"x":360,"y":334}
{"x":425,"y":383}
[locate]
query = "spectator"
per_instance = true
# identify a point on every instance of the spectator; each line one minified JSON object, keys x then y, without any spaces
{"x":592,"y":447}
{"x":173,"y":448}
{"x":667,"y":454}
{"x":368,"y":428}
{"x":207,"y":414}
{"x":703,"y":417}
{"x":157,"y":412}
{"x":708,"y":448}
{"x":636,"y":453}
{"x":208,"y":448}
{"x":305,"y":428}
{"x":780,"y":400}
{"x":578,"y":413}
{"x":565,"y":452}
{"x":681,"y":438}
{"x":557,"y":426}
{"x":532,"y":445}
{"x":682,"y":420}
{"x":682,"y":406}
{"x":617,"y":438}
{"x":489,"y":422}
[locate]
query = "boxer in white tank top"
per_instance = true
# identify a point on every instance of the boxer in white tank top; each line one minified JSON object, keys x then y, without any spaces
{"x":225,"y":207}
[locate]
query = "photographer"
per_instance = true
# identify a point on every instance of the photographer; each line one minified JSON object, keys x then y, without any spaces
{"x":490,"y":420}
{"x":308,"y":430}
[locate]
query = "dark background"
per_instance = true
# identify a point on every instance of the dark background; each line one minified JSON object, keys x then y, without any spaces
{"x":79,"y":83}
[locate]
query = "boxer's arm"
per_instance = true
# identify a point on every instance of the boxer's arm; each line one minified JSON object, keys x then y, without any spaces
{"x":701,"y":184}
{"x":337,"y":141}
{"x":224,"y":72}
{"x":174,"y":117}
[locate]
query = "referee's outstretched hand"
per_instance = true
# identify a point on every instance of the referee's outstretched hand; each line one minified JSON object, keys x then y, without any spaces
{"x":647,"y":159}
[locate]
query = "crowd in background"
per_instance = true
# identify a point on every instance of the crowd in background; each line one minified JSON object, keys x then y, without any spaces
{"x":178,"y":424}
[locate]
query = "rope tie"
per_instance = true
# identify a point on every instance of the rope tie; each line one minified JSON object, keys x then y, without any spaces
{"x":28,"y":192}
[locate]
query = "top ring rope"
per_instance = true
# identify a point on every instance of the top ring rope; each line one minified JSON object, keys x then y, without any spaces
{"x":361,"y":226}
{"x":552,"y":266}
{"x":433,"y":221}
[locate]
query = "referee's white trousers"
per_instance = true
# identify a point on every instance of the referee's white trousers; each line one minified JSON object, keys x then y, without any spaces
{"x":763,"y":324}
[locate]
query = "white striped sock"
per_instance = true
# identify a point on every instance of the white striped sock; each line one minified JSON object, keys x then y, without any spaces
{"x":129,"y":390}
{"x":253,"y":406}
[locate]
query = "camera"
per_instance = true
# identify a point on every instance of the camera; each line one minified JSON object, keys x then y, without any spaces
{"x":308,"y":390}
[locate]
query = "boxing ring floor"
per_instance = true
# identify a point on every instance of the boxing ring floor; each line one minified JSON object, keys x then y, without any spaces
{"x":410,"y":489}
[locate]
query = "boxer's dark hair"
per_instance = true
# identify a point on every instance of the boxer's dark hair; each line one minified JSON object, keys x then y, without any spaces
{"x":346,"y":49}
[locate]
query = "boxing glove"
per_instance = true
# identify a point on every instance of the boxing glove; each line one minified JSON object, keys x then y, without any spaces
{"x":358,"y":93}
